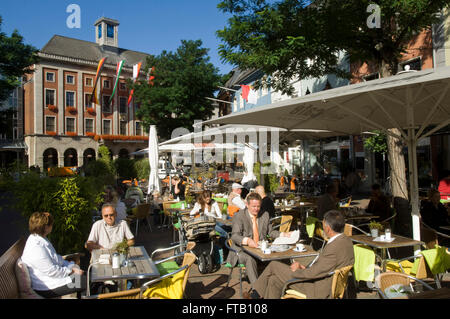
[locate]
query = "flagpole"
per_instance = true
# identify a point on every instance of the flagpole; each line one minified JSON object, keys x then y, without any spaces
{"x":216,"y":100}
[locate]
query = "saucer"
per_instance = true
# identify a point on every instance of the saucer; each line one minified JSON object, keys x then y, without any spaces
{"x":299,"y":251}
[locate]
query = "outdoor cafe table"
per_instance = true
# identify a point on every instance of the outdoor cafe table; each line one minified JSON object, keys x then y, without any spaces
{"x":288,"y":254}
{"x":399,"y":241}
{"x":142,"y":267}
{"x":297,"y":206}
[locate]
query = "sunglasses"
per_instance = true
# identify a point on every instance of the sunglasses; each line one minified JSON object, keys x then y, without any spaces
{"x":110,"y":215}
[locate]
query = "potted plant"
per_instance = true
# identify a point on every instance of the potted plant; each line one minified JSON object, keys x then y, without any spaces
{"x":122,"y":248}
{"x":290,"y":197}
{"x":375,"y":228}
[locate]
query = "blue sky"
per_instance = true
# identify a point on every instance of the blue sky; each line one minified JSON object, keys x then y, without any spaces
{"x":148,"y":26}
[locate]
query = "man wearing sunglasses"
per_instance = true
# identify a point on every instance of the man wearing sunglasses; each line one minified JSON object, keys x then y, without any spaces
{"x":107,"y":232}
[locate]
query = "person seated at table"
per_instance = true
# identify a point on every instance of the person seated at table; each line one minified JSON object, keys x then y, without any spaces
{"x":51,"y":276}
{"x":178,"y":189}
{"x":267,"y":204}
{"x":342,"y":193}
{"x":434,"y":213}
{"x":205,"y":205}
{"x":157,"y":208}
{"x":337,"y":253}
{"x":250,"y":226}
{"x":444,"y":186}
{"x":107,"y":232}
{"x":134,"y":192}
{"x":235,"y":201}
{"x":327,"y":201}
{"x":379,"y":204}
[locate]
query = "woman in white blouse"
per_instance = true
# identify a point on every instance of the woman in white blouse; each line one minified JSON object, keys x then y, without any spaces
{"x":51,"y":276}
{"x":205,"y":205}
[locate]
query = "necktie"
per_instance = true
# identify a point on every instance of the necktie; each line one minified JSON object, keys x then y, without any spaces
{"x":255,"y":230}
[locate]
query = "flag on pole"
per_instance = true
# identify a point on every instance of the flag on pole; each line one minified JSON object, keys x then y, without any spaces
{"x":151,"y":77}
{"x":249,"y":94}
{"x":97,"y":76}
{"x":136,"y":70}
{"x":118,"y":71}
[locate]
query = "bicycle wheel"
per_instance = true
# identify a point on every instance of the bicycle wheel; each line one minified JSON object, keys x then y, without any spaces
{"x":205,"y":263}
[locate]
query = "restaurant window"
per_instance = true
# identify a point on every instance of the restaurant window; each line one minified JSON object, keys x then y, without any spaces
{"x":106,"y":127}
{"x":49,"y":97}
{"x":70,"y":98}
{"x":50,"y":124}
{"x":138,"y":128}
{"x":70,"y":124}
{"x":123,"y":128}
{"x":89,"y":125}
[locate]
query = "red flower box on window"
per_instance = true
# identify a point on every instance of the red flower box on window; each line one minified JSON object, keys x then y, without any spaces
{"x":91,"y":110}
{"x":90,"y":134}
{"x":52,"y":108}
{"x":51,"y":133}
{"x":71,"y":133}
{"x":72,"y":109}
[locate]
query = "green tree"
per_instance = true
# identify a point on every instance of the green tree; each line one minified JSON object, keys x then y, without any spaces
{"x":15,"y":60}
{"x":280,"y":37}
{"x":182,"y":81}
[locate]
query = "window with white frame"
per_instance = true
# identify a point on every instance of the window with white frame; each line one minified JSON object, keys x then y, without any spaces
{"x":89,"y":81}
{"x":87,"y":100}
{"x":50,"y":124}
{"x":122,"y":86}
{"x":50,"y":76}
{"x":106,"y":84}
{"x":50,"y":97}
{"x":123,"y":105}
{"x":106,"y":127}
{"x":123,"y":128}
{"x":70,"y":98}
{"x":89,"y":125}
{"x":70,"y":79}
{"x":138,"y":127}
{"x":70,"y":124}
{"x":106,"y":107}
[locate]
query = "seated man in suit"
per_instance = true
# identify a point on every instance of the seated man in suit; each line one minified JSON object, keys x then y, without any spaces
{"x":337,"y":253}
{"x":250,"y":226}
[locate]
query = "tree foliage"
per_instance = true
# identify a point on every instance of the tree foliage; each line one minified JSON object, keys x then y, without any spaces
{"x":376,"y":143}
{"x":15,"y":60}
{"x":290,"y":38}
{"x":182,"y":80}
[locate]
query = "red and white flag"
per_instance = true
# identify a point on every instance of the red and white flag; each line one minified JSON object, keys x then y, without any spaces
{"x":136,"y":70}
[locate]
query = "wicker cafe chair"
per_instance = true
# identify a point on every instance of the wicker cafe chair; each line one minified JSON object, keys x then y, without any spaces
{"x":140,"y":212}
{"x":338,"y":286}
{"x":228,"y":244}
{"x":285,"y":222}
{"x":138,"y":293}
{"x":396,"y":280}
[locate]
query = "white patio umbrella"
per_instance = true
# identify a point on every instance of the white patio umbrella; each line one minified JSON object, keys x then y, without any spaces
{"x":153,"y":155}
{"x":410,"y":102}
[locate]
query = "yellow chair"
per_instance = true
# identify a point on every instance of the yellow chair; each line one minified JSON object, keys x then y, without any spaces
{"x":285,"y":222}
{"x":338,"y":286}
{"x":140,"y":212}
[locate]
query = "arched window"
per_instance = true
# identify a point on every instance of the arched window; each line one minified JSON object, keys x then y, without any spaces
{"x":70,"y":157}
{"x":50,"y":158}
{"x":123,"y":153}
{"x":88,"y":155}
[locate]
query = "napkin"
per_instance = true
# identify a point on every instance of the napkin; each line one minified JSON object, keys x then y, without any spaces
{"x":295,"y":235}
{"x":104,"y":259}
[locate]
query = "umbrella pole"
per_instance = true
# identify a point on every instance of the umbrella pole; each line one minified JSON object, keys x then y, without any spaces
{"x":414,"y":186}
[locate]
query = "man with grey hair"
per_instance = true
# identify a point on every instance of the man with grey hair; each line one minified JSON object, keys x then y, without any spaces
{"x":337,"y":253}
{"x":107,"y":232}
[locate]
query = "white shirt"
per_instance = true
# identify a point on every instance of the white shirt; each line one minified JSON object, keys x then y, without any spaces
{"x":108,"y":236}
{"x":333,"y":238}
{"x":47,"y":269}
{"x":239,"y":202}
{"x":215,"y":210}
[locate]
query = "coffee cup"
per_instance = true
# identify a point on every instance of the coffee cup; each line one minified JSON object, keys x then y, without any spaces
{"x":267,"y":251}
{"x":382,"y":237}
{"x":299,"y":247}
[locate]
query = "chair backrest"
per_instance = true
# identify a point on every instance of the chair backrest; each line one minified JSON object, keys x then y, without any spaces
{"x":387,"y":279}
{"x":348,"y":230}
{"x":339,"y":284}
{"x":286,"y":221}
{"x":9,"y":288}
{"x":428,"y":236}
{"x":189,"y":259}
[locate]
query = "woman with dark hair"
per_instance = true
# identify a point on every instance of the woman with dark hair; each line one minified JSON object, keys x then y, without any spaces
{"x":205,"y":205}
{"x":51,"y":275}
